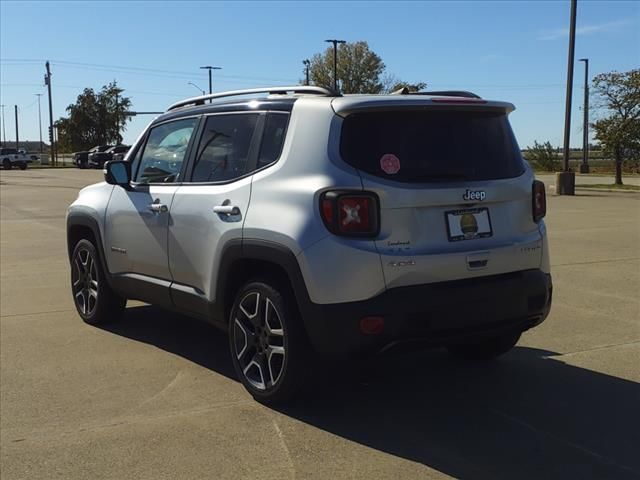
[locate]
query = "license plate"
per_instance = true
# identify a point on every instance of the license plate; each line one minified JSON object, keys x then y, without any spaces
{"x":468,"y":224}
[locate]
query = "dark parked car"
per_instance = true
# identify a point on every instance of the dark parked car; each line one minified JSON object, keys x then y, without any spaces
{"x":121,"y":153}
{"x":97,"y":159}
{"x":81,"y":159}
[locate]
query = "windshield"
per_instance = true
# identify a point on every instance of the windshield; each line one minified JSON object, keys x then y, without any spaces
{"x":433,"y":145}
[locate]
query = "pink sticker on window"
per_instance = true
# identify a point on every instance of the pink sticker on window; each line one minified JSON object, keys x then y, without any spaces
{"x":390,"y":164}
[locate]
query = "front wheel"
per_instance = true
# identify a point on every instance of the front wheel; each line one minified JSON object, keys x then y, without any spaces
{"x":269,"y":347}
{"x":486,"y":349}
{"x":6,"y":164}
{"x":94,"y":300}
{"x":23,"y":166}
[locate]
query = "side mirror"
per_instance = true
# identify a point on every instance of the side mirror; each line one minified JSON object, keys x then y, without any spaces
{"x":117,"y":173}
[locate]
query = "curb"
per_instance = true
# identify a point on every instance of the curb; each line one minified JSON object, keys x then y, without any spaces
{"x":552,"y":190}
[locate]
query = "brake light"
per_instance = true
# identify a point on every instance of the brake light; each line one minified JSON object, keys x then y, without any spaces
{"x":539,"y":201}
{"x":458,"y":100}
{"x":350,"y":214}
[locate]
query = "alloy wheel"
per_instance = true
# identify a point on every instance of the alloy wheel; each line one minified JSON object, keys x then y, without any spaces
{"x":259,"y":340}
{"x":85,"y":282}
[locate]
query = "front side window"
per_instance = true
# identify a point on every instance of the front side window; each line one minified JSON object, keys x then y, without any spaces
{"x":223,"y":153}
{"x":165,"y":151}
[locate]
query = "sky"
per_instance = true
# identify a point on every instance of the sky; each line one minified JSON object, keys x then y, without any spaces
{"x":503,"y":50}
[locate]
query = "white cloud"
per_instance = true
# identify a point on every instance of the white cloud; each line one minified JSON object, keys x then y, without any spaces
{"x":582,"y":30}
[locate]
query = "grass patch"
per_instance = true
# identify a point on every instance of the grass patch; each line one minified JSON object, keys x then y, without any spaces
{"x":612,"y":186}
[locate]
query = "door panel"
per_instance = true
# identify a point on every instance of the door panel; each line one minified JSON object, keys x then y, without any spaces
{"x":210,"y":211}
{"x":137,"y":217}
{"x":197,"y":233}
{"x":136,"y":236}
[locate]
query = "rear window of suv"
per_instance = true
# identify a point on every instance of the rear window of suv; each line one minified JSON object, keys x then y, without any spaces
{"x":437,"y":145}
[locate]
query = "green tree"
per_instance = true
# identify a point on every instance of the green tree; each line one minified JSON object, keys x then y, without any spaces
{"x":543,"y":156}
{"x":618,"y":130}
{"x":360,"y":70}
{"x":393,"y":85}
{"x":94,"y":119}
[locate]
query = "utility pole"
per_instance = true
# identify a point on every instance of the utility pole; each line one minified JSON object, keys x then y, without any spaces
{"x":47,"y":82}
{"x":584,"y":166}
{"x":566,"y":180}
{"x":39,"y":119}
{"x":335,"y":61}
{"x":116,"y":115}
{"x":210,"y":68}
{"x":4,"y":135}
{"x":17,"y":142}
{"x":306,"y":64}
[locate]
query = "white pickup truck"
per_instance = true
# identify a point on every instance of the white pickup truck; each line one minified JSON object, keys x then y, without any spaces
{"x":11,"y":157}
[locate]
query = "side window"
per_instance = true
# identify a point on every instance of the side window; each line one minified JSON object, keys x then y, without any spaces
{"x":273,"y":138}
{"x":223,"y":153}
{"x":166,"y":147}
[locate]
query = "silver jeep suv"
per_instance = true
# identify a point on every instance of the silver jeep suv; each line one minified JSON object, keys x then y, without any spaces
{"x":304,"y":222}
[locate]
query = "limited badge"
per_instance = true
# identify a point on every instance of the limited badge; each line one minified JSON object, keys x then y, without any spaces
{"x":390,"y":164}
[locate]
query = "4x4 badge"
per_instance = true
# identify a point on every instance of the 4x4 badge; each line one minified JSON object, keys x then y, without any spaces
{"x":474,"y":195}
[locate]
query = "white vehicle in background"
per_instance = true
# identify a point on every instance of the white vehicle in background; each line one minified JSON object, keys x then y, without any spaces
{"x":10,"y":157}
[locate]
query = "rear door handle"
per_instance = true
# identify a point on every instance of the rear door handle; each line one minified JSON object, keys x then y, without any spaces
{"x":226,"y":209}
{"x":158,"y":208}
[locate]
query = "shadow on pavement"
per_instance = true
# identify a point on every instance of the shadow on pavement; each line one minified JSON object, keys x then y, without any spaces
{"x":526,"y":415}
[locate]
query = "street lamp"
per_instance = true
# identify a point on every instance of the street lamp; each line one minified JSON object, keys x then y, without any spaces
{"x":196,"y":86}
{"x":335,"y":61}
{"x":306,"y":64}
{"x":4,"y":136}
{"x":584,"y":167}
{"x":210,"y":68}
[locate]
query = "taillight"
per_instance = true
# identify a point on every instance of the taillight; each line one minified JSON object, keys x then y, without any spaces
{"x":539,"y":201}
{"x":349,"y":213}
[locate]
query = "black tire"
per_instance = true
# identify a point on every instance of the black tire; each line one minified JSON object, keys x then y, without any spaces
{"x":22,"y":166}
{"x":6,"y":164}
{"x":487,"y":349}
{"x":95,"y":302}
{"x":270,"y":365}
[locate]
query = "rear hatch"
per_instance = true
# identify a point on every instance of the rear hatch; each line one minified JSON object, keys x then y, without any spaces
{"x":455,"y":194}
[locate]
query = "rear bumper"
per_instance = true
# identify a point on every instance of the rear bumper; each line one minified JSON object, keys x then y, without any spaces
{"x":433,"y":314}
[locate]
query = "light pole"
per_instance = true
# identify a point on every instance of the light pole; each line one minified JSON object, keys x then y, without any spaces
{"x":584,"y":167}
{"x":4,"y":135}
{"x":17,"y":139}
{"x":210,"y":68}
{"x":335,"y":61}
{"x":196,"y":86}
{"x":566,"y":180}
{"x":306,"y":64}
{"x":39,"y":119}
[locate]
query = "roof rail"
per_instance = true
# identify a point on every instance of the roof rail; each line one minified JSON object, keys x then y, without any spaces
{"x":441,"y":93}
{"x":315,"y":90}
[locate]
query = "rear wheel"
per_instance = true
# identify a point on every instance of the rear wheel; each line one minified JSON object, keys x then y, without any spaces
{"x":23,"y":166}
{"x":6,"y":164}
{"x":94,"y":300}
{"x":269,"y":347}
{"x":486,"y":349}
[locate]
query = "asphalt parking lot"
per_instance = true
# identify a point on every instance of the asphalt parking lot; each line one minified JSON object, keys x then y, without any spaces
{"x":154,"y":396}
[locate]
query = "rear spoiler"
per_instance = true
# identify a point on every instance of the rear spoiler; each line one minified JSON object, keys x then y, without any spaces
{"x":344,"y":106}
